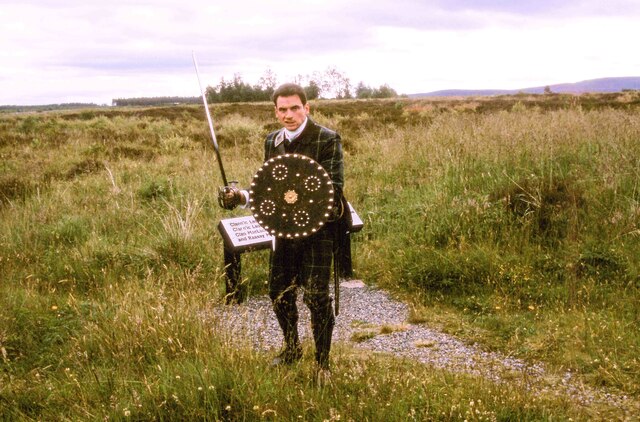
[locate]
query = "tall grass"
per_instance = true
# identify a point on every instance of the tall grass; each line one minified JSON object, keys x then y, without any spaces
{"x":511,"y":222}
{"x":524,"y":222}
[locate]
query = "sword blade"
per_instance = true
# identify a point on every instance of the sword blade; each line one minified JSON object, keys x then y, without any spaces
{"x":213,"y":134}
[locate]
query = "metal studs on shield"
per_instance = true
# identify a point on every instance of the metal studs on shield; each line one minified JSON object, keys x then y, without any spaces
{"x":291,"y":196}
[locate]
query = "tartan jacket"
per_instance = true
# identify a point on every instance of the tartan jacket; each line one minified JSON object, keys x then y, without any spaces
{"x":316,"y":142}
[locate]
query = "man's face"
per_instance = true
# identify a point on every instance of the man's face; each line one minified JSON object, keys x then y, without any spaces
{"x":290,"y":111}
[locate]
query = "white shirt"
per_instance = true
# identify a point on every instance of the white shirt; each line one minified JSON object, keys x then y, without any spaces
{"x":288,"y":134}
{"x":291,"y":135}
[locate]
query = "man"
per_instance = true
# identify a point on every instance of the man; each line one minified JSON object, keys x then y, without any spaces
{"x":303,"y":262}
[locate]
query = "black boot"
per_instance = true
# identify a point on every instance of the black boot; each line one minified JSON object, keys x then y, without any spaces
{"x":288,"y":356}
{"x":292,"y":351}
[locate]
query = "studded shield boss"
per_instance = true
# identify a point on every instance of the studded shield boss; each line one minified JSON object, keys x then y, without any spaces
{"x":291,"y":196}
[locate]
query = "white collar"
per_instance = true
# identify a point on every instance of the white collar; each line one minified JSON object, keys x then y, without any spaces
{"x":290,"y":134}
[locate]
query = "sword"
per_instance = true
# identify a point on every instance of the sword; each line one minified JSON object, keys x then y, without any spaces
{"x":213,"y":134}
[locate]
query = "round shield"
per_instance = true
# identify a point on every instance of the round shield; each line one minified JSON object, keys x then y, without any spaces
{"x":291,"y":196}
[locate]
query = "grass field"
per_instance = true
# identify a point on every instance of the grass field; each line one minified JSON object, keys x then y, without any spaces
{"x":513,"y":222}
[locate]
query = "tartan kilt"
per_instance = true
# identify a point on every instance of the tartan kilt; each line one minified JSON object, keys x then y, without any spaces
{"x":303,"y":263}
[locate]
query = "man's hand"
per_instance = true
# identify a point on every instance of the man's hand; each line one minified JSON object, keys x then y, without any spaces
{"x":230,"y":197}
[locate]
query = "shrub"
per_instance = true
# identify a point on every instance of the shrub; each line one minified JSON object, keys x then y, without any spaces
{"x":434,"y":271}
{"x":236,"y":130}
{"x":69,"y":230}
{"x":160,"y":187}
{"x":603,"y":263}
{"x":14,"y":187}
{"x":544,"y":205}
{"x":38,"y":331}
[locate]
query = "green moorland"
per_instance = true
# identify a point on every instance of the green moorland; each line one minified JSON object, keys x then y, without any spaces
{"x":512,"y":222}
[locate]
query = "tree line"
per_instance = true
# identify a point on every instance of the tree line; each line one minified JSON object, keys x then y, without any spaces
{"x":328,"y":84}
{"x":45,"y":107}
{"x":153,"y":101}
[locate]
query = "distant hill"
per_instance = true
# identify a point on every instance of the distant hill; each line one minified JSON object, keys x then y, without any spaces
{"x":592,"y":85}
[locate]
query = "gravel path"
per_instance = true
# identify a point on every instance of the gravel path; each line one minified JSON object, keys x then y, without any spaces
{"x":370,"y":319}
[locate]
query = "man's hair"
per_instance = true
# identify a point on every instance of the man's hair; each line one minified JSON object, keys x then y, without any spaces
{"x":287,"y":90}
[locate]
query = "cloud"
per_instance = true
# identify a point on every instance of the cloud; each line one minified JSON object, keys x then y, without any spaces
{"x":448,"y":15}
{"x":52,"y":50}
{"x":549,"y":9}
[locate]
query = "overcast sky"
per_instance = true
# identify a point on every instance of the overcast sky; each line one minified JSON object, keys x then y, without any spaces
{"x":93,"y":51}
